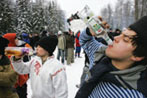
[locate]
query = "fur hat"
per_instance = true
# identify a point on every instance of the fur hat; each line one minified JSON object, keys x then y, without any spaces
{"x":140,"y":27}
{"x":3,"y":43}
{"x":49,"y":43}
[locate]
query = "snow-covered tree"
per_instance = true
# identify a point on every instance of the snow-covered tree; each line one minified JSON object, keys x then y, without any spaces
{"x":6,"y":16}
{"x":36,"y":16}
{"x":61,"y":19}
{"x":120,"y":17}
{"x":46,"y":16}
{"x":22,"y":16}
{"x":55,"y":18}
{"x":140,"y":8}
{"x":107,"y":14}
{"x":30,"y":16}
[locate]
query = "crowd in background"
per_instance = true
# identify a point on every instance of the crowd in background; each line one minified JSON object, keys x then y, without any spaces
{"x":69,"y":45}
{"x":68,"y":49}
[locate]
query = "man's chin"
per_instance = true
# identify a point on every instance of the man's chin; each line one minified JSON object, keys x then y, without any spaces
{"x":108,"y":53}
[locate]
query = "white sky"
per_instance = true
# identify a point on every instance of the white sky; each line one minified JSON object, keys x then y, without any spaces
{"x":72,"y":6}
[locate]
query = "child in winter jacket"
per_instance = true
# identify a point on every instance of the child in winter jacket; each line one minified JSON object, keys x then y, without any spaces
{"x":47,"y":74}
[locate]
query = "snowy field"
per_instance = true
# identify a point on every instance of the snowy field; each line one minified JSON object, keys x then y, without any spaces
{"x":73,"y":75}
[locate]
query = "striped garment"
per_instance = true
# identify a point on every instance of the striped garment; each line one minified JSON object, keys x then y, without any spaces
{"x":109,"y":90}
{"x":90,"y":46}
{"x":104,"y":89}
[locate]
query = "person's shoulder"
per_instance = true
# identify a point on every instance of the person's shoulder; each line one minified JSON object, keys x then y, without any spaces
{"x":56,"y":62}
{"x":56,"y":65}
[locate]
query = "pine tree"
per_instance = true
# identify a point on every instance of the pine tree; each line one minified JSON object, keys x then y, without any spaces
{"x":6,"y":15}
{"x":56,"y":18}
{"x":36,"y":17}
{"x":28,"y":16}
{"x":22,"y":16}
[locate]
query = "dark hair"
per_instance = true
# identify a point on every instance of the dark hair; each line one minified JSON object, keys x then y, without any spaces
{"x":140,"y":50}
{"x":140,"y":40}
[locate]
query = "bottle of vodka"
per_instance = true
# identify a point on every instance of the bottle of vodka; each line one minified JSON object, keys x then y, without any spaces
{"x":93,"y":22}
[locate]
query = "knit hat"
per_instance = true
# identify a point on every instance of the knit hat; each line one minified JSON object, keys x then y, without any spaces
{"x":3,"y":43}
{"x":49,"y":43}
{"x":140,"y":27}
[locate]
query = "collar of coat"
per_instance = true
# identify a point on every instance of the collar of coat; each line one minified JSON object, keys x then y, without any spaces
{"x":104,"y":71}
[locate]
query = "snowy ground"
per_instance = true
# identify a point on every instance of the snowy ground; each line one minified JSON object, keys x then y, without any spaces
{"x":73,"y":76}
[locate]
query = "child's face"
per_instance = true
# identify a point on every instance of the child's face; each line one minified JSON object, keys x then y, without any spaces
{"x":41,"y":52}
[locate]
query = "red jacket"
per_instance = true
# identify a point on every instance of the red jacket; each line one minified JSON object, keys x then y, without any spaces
{"x":22,"y":79}
{"x":77,"y":39}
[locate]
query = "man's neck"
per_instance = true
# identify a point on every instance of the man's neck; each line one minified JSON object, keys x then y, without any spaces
{"x":121,"y":65}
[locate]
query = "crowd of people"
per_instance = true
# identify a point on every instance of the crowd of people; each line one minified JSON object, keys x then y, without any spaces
{"x":117,"y":70}
{"x":68,"y":41}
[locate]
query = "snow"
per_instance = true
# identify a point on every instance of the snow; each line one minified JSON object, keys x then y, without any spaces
{"x":73,"y":76}
{"x":74,"y":72}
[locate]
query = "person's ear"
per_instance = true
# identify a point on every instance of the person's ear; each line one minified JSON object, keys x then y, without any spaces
{"x":136,"y":59}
